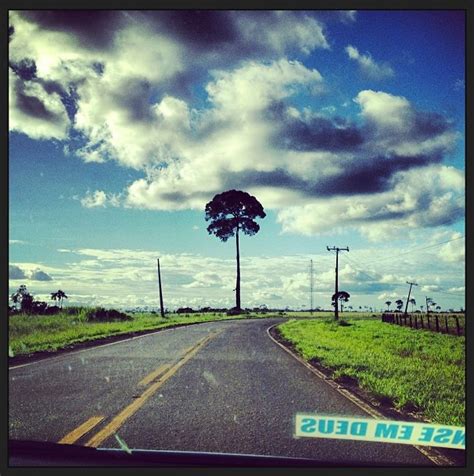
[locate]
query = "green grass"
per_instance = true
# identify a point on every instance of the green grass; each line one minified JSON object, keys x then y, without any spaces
{"x":414,"y":369}
{"x":32,"y":333}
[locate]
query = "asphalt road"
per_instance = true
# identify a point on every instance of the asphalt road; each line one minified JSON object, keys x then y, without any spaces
{"x":218,"y":387}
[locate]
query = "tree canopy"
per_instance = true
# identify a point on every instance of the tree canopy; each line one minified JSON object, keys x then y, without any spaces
{"x":231,"y":211}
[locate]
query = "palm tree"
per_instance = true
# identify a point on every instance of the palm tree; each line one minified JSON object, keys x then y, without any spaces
{"x":229,"y":213}
{"x":413,"y":303}
{"x":399,"y":304}
{"x":59,"y":296}
{"x":388,"y":303}
{"x":438,"y":308}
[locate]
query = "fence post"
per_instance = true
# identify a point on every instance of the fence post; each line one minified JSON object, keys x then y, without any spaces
{"x":421,"y":320}
{"x":416,"y":322}
{"x":446,"y":324}
{"x":411,"y":324}
{"x":428,"y":319}
{"x":437,"y":324}
{"x":457,"y":326}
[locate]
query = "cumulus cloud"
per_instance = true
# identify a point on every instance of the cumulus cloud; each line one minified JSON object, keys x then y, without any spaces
{"x":15,"y":272}
{"x":367,"y":64}
{"x":205,"y":280}
{"x":244,"y":128}
{"x":105,"y":277}
{"x":34,"y":111}
{"x":100,"y":199}
{"x":38,"y":275}
{"x":436,"y":200}
{"x":453,"y":252}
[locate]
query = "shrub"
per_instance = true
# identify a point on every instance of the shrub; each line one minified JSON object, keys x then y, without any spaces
{"x":100,"y":314}
{"x":234,"y":311}
{"x":343,"y":323}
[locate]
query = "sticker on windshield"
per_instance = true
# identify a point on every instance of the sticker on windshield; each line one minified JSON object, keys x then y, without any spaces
{"x":381,"y":431}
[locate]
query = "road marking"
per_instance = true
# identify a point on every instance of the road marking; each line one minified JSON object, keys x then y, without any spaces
{"x":81,"y":430}
{"x":152,"y":376}
{"x":431,"y":453}
{"x":127,"y":412}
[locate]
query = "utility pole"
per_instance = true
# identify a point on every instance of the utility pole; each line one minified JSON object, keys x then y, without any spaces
{"x":336,"y":306}
{"x":408,"y":298}
{"x":161,"y":291}
{"x":311,"y":286}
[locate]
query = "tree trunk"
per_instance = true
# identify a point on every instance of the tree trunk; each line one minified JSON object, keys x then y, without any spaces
{"x":237,"y":285}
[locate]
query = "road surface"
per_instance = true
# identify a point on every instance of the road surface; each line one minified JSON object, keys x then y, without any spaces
{"x":218,"y":387}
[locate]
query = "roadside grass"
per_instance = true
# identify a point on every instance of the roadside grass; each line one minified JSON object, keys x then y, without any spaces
{"x":416,"y":370}
{"x":32,"y":333}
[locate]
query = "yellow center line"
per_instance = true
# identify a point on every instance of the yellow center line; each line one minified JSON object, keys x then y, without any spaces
{"x":152,"y":376}
{"x":131,"y":409}
{"x":81,"y":430}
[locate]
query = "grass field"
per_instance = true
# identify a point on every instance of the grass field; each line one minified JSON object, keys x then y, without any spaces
{"x":32,"y":333}
{"x":415,"y":369}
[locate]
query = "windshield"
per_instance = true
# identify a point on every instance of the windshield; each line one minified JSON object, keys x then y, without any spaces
{"x":239,"y":232}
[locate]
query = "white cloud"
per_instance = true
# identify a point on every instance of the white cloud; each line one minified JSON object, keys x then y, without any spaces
{"x":367,"y":64}
{"x":100,"y":199}
{"x":127,"y":277}
{"x":282,"y":30}
{"x":348,"y":16}
{"x":320,"y":173}
{"x":411,"y":204}
{"x":453,"y":252}
{"x":33,"y":111}
{"x":38,"y":275}
{"x":15,"y":272}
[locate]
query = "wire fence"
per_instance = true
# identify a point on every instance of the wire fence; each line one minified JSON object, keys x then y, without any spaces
{"x":445,"y":323}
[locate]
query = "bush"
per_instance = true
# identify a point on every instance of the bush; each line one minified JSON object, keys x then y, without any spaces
{"x":72,"y":310}
{"x":343,"y":323}
{"x":234,"y":311}
{"x":184,"y":310}
{"x":100,"y":314}
{"x":50,"y":310}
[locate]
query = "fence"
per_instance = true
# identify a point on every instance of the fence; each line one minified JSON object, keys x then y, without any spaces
{"x":445,"y":323}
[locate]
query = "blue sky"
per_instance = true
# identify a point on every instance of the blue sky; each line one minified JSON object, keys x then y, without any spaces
{"x":347,"y":126}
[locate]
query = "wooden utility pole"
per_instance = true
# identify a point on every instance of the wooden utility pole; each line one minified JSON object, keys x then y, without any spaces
{"x":408,"y":298}
{"x":161,"y":291}
{"x":336,"y":306}
{"x":311,"y":286}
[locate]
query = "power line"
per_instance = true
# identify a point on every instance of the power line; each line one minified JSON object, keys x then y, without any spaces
{"x":358,"y":269}
{"x":415,"y":249}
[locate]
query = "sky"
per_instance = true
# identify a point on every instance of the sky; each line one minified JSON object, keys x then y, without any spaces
{"x":347,"y":126}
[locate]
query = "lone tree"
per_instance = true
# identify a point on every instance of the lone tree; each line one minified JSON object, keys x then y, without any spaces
{"x":23,"y":297}
{"x":412,"y":301}
{"x":59,"y":296}
{"x":399,"y":304}
{"x":342,"y":296}
{"x":388,"y":305}
{"x":232,"y":212}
